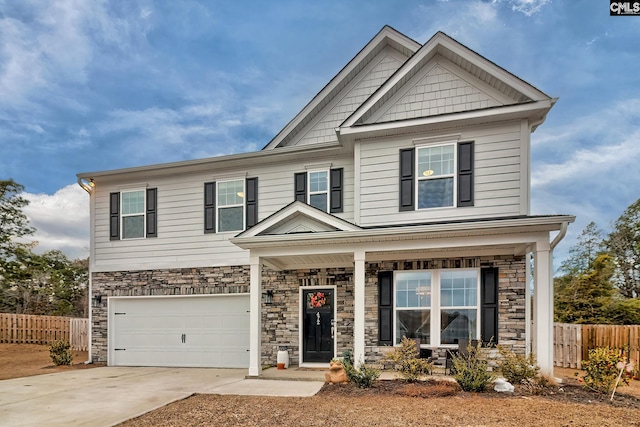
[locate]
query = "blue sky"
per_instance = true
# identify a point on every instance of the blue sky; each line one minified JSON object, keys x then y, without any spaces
{"x":89,"y":85}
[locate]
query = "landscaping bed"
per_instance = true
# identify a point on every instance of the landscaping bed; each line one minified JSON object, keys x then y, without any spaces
{"x":398,"y":403}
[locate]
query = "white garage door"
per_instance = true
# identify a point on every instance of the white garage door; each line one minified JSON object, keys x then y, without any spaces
{"x":200,"y":331}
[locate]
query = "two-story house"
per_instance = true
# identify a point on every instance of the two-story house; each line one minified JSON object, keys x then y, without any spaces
{"x":396,"y":203}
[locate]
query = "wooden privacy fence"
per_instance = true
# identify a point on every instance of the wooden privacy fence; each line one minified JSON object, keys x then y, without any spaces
{"x":31,"y":329}
{"x":573,"y":342}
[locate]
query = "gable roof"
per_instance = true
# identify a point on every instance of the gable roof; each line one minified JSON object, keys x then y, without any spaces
{"x":503,"y":83}
{"x":298,"y":217}
{"x":387,"y":36}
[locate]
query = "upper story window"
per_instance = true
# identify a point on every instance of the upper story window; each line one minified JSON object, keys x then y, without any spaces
{"x":133,"y":214}
{"x":322,"y":189}
{"x":319,"y":190}
{"x":133,"y":209}
{"x":231,"y":205}
{"x":437,"y":176}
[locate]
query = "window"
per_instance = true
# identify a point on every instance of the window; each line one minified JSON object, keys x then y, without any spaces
{"x":318,"y":190}
{"x":435,"y":175}
{"x":439,"y":307}
{"x":230,"y":205}
{"x":133,"y":214}
{"x":322,"y":189}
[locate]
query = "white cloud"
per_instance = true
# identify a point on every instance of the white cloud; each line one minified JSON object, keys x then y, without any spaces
{"x":528,"y":7}
{"x":61,"y":220}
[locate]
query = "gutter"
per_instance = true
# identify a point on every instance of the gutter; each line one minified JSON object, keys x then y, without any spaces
{"x":86,"y":185}
{"x":563,"y":232}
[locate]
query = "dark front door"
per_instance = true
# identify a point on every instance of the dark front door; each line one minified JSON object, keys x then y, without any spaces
{"x":317,"y":335}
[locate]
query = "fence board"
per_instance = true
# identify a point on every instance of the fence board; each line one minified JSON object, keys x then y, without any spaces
{"x":573,"y":342}
{"x":32,"y":329}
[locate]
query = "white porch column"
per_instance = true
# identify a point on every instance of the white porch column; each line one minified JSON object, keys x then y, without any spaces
{"x":543,"y":309}
{"x":358,"y":307}
{"x":255,"y":318}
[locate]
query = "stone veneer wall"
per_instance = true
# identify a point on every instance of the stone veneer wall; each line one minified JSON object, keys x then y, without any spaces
{"x":281,"y":319}
{"x":511,"y":297}
{"x":179,"y":281}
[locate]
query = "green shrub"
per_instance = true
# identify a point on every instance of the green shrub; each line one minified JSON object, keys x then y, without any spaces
{"x":601,"y":369}
{"x":517,"y":368}
{"x":471,"y":370}
{"x":406,"y":360}
{"x":362,"y":376}
{"x":60,"y":353}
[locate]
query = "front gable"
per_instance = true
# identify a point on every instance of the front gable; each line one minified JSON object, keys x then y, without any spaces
{"x":295,"y":218}
{"x":443,"y":77}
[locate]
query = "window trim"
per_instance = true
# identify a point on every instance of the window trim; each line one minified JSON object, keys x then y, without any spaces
{"x":218,"y":206}
{"x":325,"y":192}
{"x":143,"y":213}
{"x":436,"y":306}
{"x":454,"y":175}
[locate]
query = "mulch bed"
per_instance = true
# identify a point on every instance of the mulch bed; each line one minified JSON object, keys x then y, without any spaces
{"x":569,"y":392}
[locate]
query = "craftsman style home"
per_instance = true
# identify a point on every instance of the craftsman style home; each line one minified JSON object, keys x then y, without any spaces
{"x":396,"y":203}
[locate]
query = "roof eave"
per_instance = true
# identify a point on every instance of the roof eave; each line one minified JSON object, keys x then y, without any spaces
{"x":544,"y":224}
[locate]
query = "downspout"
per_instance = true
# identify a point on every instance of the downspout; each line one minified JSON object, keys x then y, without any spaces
{"x":560,"y":236}
{"x":88,"y":186}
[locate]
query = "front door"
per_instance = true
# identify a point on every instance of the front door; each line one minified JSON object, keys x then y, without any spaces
{"x":317,"y":329}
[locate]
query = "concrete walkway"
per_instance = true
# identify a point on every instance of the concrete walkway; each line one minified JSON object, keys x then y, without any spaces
{"x":109,"y":395}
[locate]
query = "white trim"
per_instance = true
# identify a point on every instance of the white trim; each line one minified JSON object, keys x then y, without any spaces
{"x":453,"y":138}
{"x":143,"y":214}
{"x":315,"y":193}
{"x":356,"y":182}
{"x":454,"y":176}
{"x":301,"y":303}
{"x":436,"y":308}
{"x":243,"y":205}
{"x":525,"y":168}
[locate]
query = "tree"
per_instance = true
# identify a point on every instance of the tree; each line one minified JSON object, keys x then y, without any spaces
{"x":13,"y":222}
{"x":582,"y":255}
{"x":624,"y":245}
{"x":586,"y":297}
{"x":30,"y":283}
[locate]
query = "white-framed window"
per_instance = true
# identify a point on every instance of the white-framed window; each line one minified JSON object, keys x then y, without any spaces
{"x":230,"y":205}
{"x":133,"y":214}
{"x":436,"y":176}
{"x":437,"y":306}
{"x":319,"y":189}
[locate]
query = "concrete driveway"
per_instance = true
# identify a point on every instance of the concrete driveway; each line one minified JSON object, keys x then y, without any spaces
{"x":109,"y":395}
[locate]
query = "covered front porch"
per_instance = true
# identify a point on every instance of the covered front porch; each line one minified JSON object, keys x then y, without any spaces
{"x":287,"y":265}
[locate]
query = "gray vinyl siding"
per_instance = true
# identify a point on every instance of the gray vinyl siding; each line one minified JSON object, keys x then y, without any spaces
{"x":496,"y":176}
{"x":181,"y":240}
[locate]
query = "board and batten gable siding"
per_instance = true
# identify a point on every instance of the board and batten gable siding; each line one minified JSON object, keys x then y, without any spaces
{"x":322,"y":128}
{"x":181,"y":240}
{"x":498,"y":188}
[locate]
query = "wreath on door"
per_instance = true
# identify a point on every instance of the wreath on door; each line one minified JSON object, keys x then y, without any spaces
{"x":316,"y":300}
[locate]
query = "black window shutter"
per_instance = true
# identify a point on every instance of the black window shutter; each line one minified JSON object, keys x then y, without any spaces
{"x":209,"y":207}
{"x":489,"y":307}
{"x":114,"y":216}
{"x":252,"y":201}
{"x":335,"y":184}
{"x":407,"y":188}
{"x":465,"y":174}
{"x":385,"y":308}
{"x":152,"y":214}
{"x":300,"y":187}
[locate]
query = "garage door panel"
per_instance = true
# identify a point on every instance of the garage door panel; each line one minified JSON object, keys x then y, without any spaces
{"x":180,"y":331}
